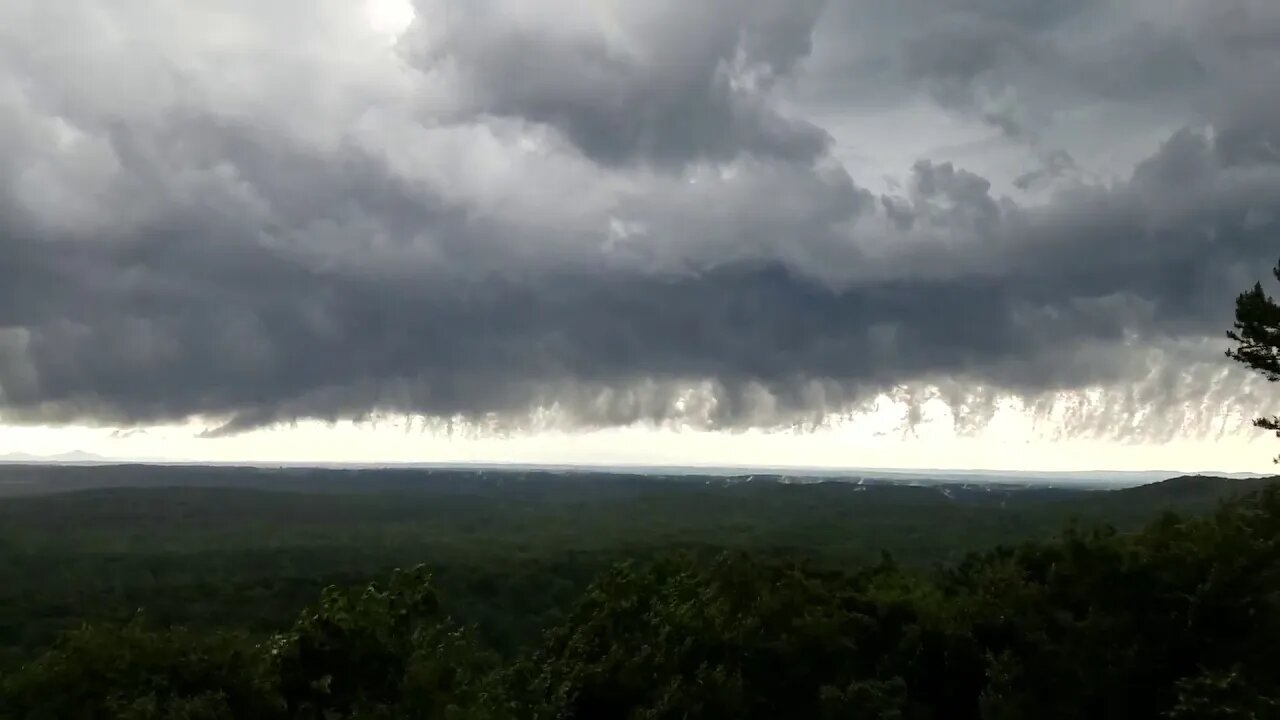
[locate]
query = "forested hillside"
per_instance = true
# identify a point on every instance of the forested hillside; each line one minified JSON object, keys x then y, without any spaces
{"x":552,"y":596}
{"x":214,"y":547}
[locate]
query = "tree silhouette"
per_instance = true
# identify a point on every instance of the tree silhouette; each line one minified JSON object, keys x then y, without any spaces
{"x":1257,"y":336}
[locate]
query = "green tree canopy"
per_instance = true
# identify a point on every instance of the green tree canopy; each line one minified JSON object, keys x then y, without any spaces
{"x":1177,"y":621}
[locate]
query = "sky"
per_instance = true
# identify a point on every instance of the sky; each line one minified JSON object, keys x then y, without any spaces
{"x":999,"y":234}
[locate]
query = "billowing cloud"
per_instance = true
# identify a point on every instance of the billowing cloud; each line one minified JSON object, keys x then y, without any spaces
{"x":664,"y":82}
{"x":606,"y":213}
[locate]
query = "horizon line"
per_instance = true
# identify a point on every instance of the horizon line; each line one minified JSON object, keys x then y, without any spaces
{"x":81,"y":458}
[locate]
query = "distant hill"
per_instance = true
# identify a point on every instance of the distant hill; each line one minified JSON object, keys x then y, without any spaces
{"x":25,"y":473}
{"x":1188,"y":494}
{"x":69,"y":458}
{"x":1103,"y":479}
{"x":581,"y":508}
{"x":1195,"y":488}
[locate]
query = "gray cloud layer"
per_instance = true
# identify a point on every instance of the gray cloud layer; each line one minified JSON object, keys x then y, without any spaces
{"x":257,"y":213}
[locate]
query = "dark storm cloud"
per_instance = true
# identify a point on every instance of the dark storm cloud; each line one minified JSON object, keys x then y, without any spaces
{"x":684,"y":87}
{"x":985,"y":58}
{"x":1039,"y":71}
{"x":608,"y":218}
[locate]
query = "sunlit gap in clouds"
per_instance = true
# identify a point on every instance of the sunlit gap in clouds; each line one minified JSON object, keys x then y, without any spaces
{"x":389,"y":17}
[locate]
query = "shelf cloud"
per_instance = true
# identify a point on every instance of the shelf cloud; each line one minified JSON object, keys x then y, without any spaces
{"x":615,"y":212}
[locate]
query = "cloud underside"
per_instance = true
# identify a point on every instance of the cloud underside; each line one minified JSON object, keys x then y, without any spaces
{"x":520,"y":217}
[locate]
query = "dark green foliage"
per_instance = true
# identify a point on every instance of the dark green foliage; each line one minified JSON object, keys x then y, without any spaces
{"x":509,"y":553}
{"x":1179,"y":620}
{"x":363,"y":653}
{"x":1221,"y":695}
{"x":136,"y":673}
{"x":1107,"y":626}
{"x":739,"y":639}
{"x":374,"y":651}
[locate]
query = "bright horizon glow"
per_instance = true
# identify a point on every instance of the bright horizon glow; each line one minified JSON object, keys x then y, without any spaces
{"x":1011,"y":441}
